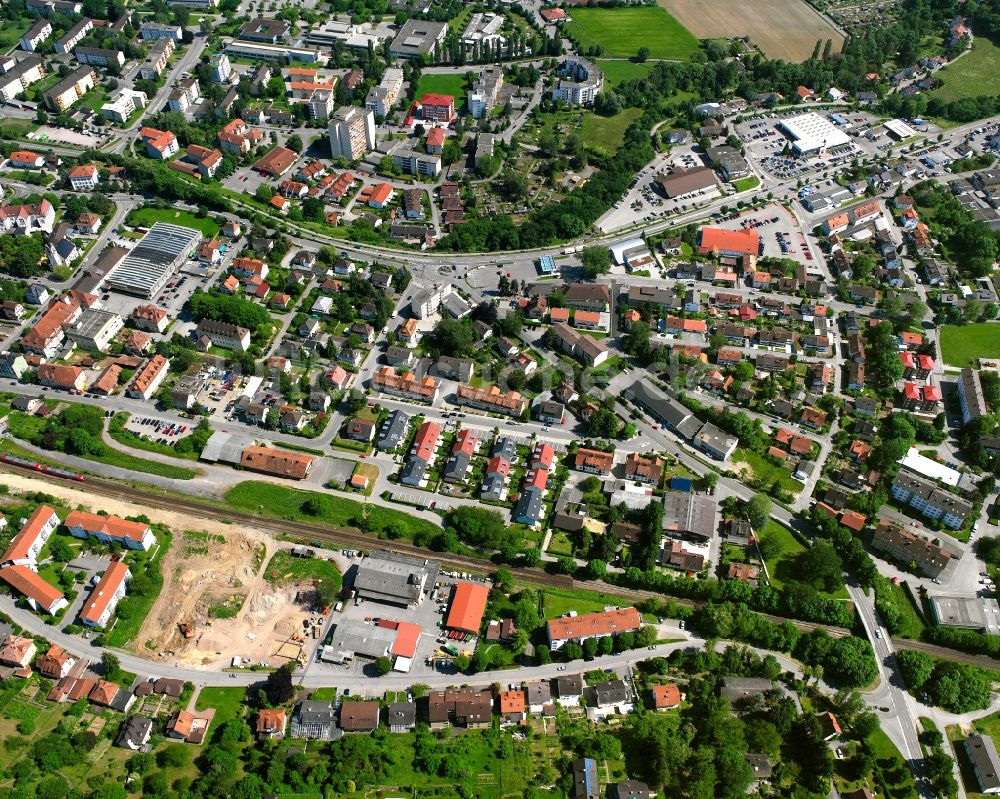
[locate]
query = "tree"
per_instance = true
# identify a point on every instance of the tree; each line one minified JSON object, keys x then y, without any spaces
{"x":642,"y":55}
{"x":294,"y":142}
{"x":111,"y":668}
{"x":383,"y":666}
{"x":916,"y":668}
{"x":820,"y":566}
{"x":758,"y":510}
{"x":850,"y":663}
{"x":596,"y":261}
{"x":278,"y":687}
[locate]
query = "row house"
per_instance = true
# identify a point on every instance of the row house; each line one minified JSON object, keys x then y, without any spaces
{"x":408,"y":386}
{"x":492,"y":399}
{"x":594,"y":461}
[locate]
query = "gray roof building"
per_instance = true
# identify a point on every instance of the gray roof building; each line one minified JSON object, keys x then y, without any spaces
{"x":394,"y":579}
{"x":314,"y":719}
{"x":360,"y":638}
{"x":689,"y":514}
{"x":982,"y":754}
{"x":393,"y":430}
{"x":418,"y":37}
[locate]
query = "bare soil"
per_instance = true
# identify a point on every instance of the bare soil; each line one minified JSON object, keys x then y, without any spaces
{"x":786,"y":29}
{"x":200,"y":571}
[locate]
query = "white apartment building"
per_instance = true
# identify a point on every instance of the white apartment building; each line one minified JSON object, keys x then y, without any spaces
{"x":352,"y":133}
{"x":35,"y":35}
{"x":123,"y":104}
{"x":383,"y":97}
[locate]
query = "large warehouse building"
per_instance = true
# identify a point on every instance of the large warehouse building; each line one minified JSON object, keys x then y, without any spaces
{"x":812,"y":134}
{"x":394,"y":579}
{"x":146,"y":269}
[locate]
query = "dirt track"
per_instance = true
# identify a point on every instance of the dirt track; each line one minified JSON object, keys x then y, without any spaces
{"x":786,"y":29}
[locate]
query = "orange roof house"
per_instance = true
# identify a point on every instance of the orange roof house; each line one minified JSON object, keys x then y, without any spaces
{"x":512,"y":705}
{"x":592,"y":625}
{"x":279,"y":463}
{"x":666,"y":697}
{"x":468,"y":603}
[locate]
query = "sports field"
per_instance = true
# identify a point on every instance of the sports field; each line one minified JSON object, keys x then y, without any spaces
{"x":974,"y":74}
{"x":622,"y":31}
{"x":962,"y":344}
{"x":792,"y":40}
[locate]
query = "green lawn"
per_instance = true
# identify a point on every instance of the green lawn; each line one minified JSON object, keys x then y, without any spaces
{"x":607,"y":133}
{"x":557,"y":602}
{"x":15,"y":128}
{"x":962,"y":344}
{"x":333,"y":511}
{"x":284,"y":569}
{"x":443,"y":84}
{"x":765,"y":472}
{"x":617,"y":72}
{"x":913,"y":625}
{"x":622,"y":31}
{"x":790,"y":547}
{"x":146,"y":217}
{"x":973,"y":75}
{"x":745,"y":184}
{"x":227,"y":702}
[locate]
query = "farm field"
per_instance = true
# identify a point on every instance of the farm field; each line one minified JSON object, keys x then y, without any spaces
{"x":962,"y":344}
{"x":443,"y":84}
{"x":972,"y":75}
{"x":622,"y":31}
{"x":607,"y":133}
{"x":146,"y":217}
{"x":793,"y":40}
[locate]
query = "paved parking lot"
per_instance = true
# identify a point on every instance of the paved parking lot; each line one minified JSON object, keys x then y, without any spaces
{"x":781,"y":234}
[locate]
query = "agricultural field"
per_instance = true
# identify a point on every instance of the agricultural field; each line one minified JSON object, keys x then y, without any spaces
{"x":962,"y":344}
{"x":793,"y":40}
{"x":607,"y":133}
{"x":147,"y":217}
{"x":622,"y":31}
{"x":973,"y":75}
{"x":453,"y":85}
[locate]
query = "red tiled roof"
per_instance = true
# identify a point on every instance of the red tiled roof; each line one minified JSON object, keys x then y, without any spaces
{"x":468,"y":603}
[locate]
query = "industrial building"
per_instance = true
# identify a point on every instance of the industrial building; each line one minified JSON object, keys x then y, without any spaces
{"x":394,"y":579}
{"x":146,"y":269}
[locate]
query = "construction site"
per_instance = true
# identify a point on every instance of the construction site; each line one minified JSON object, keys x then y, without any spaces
{"x":217,"y":609}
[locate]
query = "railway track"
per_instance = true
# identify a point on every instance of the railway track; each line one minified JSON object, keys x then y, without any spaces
{"x":353,"y":539}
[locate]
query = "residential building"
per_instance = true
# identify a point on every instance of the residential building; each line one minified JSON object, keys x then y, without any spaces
{"x":382,"y":98}
{"x":36,"y":34}
{"x":970,"y":396}
{"x":485,"y":90}
{"x":313,"y":719}
{"x":108,"y":592}
{"x":224,"y":335}
{"x":492,"y":399}
{"x":578,"y":629}
{"x":70,"y":89}
{"x":149,"y":378}
{"x":271,"y":723}
{"x":414,"y":162}
{"x":111,"y":530}
{"x":933,"y":502}
{"x":19,"y":77}
{"x":407,"y":385}
{"x":74,"y":35}
{"x":352,"y":133}
{"x":66,"y":378}
{"x":579,"y":82}
{"x":124,"y":102}
{"x":157,"y":58}
{"x":99,"y":57}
